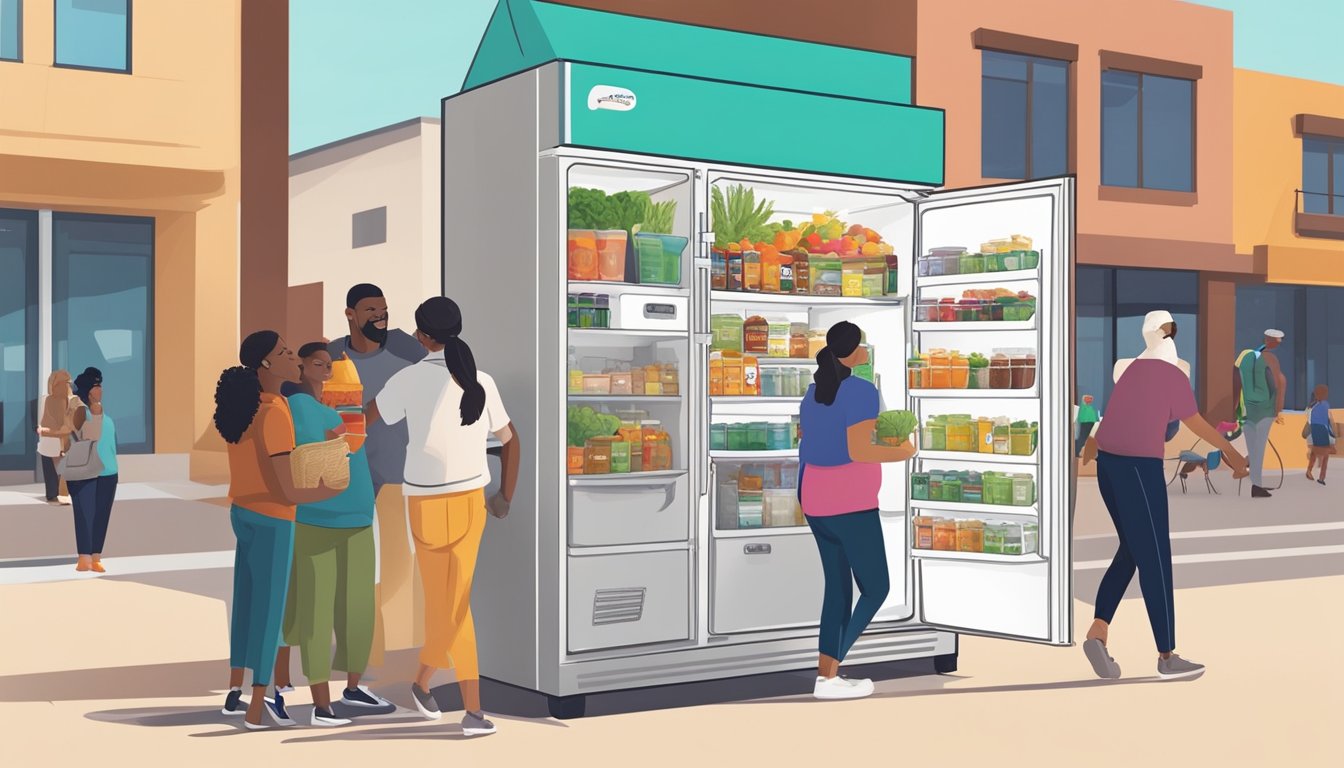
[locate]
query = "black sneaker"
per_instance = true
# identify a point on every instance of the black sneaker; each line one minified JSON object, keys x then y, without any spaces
{"x":1260,"y":493}
{"x":363,"y":697}
{"x":234,"y":706}
{"x":324,"y":719}
{"x":276,"y":709}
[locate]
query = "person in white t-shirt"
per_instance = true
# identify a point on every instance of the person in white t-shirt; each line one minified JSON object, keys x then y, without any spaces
{"x":450,"y":408}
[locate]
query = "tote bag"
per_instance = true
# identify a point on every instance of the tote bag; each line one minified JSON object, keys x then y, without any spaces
{"x":81,"y":461}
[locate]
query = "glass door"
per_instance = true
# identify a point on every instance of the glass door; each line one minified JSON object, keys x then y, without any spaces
{"x":19,"y":387}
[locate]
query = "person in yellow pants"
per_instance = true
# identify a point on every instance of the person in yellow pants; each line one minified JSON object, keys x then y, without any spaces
{"x":450,"y":409}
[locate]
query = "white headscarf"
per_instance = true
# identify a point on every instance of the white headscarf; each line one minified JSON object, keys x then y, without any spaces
{"x":1156,"y":345}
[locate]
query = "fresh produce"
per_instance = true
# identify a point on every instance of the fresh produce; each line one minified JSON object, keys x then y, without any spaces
{"x":588,"y":209}
{"x":630,"y":211}
{"x":583,"y":422}
{"x":894,"y":427}
{"x":737,"y":216}
{"x":977,"y":360}
{"x":657,"y":217}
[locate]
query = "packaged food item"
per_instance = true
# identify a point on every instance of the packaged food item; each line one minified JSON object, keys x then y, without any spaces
{"x":1019,"y":439}
{"x":914,"y":371}
{"x":771,"y":383}
{"x":750,"y":509}
{"x":732,"y":373}
{"x":798,"y":340}
{"x":935,"y":485}
{"x":770,"y":270}
{"x":952,"y":487}
{"x":960,"y":373}
{"x":751,"y":271}
{"x":1030,"y":538}
{"x":718,"y":437}
{"x":756,"y":335}
{"x":984,"y":434}
{"x":611,"y":245}
{"x":816,"y":341}
{"x":734,"y":271}
{"x":959,"y":434}
{"x":923,"y":532}
{"x":637,"y":380}
{"x":727,"y":332}
{"x":777,"y":340}
{"x":827,"y":277}
{"x":780,"y":507}
{"x":785,"y":273}
{"x":583,"y":254}
{"x":718,"y":270}
{"x":758,"y":436}
{"x":670,"y":379}
{"x":1023,"y":370}
{"x":715,"y":374}
{"x":802,"y":272}
{"x":865,"y":370}
{"x":653,"y":379}
{"x":751,"y":375}
{"x":970,"y":536}
{"x":893,"y":275}
{"x":851,"y":278}
{"x":574,"y":459}
{"x":945,"y":534}
{"x":995,"y":536}
{"x":1000,"y":372}
{"x":919,"y":486}
{"x":596,"y":384}
{"x":1024,"y":491}
{"x":1002,"y":437}
{"x":620,"y":457}
{"x":597,"y":455}
{"x":780,"y":437}
{"x":972,"y":489}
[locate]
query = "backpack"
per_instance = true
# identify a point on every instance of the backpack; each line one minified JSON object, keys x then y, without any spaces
{"x":1254,"y":388}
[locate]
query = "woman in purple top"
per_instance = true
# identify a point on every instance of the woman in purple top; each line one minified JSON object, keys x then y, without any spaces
{"x":839,"y":478}
{"x":1129,"y":447}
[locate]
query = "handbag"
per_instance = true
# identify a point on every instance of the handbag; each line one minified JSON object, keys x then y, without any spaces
{"x":1173,"y":428}
{"x":1306,"y":430}
{"x":81,"y":460}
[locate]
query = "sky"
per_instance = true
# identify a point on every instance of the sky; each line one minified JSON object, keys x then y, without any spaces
{"x":356,"y":66}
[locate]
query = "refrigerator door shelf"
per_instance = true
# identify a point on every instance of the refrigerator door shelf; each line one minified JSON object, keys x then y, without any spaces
{"x":977,"y":458}
{"x":977,"y":327}
{"x":624,"y":398}
{"x":979,"y":278}
{"x":608,"y":336}
{"x":801,"y":301}
{"x":620,"y":289}
{"x":976,"y":394}
{"x":932,"y":554}
{"x":793,"y":361}
{"x":969,"y":510}
{"x":636,"y":479}
{"x":754,"y":455}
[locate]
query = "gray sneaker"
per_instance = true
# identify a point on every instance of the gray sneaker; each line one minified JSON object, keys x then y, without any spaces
{"x":1102,"y":663}
{"x":1176,"y":668}
{"x":424,"y":701}
{"x":475,"y":724}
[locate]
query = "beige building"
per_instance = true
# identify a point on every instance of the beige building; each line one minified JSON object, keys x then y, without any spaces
{"x":365,"y":209}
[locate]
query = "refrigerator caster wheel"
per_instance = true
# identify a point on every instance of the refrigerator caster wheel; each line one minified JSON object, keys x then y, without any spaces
{"x":566,"y":707}
{"x":945,"y":664}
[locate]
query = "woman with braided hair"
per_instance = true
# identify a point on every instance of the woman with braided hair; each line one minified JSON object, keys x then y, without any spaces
{"x":450,"y":409}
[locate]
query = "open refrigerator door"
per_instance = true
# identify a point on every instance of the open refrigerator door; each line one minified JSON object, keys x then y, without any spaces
{"x":991,"y":490}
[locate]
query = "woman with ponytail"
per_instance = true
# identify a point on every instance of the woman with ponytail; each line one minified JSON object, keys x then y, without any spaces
{"x":838,"y":481}
{"x":256,"y":423}
{"x":450,"y":409}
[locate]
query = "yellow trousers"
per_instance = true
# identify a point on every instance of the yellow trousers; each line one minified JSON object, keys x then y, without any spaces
{"x":447,"y":531}
{"x":397,"y":623}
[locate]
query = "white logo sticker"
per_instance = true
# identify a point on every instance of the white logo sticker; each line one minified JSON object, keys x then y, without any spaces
{"x":611,"y":97}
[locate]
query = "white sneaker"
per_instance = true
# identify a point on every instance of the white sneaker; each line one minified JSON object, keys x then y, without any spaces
{"x":830,"y":689}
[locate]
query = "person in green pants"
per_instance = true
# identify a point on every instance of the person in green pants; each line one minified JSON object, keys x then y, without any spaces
{"x":331,"y":587}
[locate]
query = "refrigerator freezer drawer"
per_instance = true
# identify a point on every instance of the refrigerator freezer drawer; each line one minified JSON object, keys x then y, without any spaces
{"x":636,"y":511}
{"x":634,"y":599}
{"x":768,"y":583}
{"x":651,"y":313}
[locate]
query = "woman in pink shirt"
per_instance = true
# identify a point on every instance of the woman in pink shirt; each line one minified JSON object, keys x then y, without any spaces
{"x":840,"y":474}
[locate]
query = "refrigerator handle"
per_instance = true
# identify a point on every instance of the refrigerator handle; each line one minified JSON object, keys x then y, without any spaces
{"x":701,"y":343}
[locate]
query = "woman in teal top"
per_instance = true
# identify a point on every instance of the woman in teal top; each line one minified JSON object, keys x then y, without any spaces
{"x":331,"y":587}
{"x":92,"y":499}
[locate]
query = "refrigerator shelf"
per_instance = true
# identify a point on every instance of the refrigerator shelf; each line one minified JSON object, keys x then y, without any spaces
{"x":977,"y":458}
{"x":980,"y":394}
{"x":981,"y":557}
{"x":768,"y":361}
{"x":624,"y":398}
{"x":740,"y":399}
{"x":608,"y":335}
{"x":991,"y":326}
{"x":753,"y":455}
{"x":756,"y":533}
{"x":958,"y":507}
{"x":979,"y":278}
{"x":661,"y":477}
{"x":802,"y":301}
{"x":602,"y":286}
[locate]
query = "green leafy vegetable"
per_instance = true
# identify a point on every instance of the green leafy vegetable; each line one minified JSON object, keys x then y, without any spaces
{"x":588,"y":209}
{"x":583,"y":422}
{"x":737,"y":215}
{"x":658,"y":217}
{"x":627,"y":209}
{"x":896,"y":425}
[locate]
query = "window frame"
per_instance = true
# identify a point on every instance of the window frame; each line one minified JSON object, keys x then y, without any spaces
{"x":1145,"y":67}
{"x":1029,"y":154}
{"x":55,"y":42}
{"x":984,"y":39}
{"x":18,"y":53}
{"x":1334,"y":145}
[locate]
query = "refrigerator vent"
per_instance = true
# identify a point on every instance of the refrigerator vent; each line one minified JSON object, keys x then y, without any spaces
{"x":618,"y":606}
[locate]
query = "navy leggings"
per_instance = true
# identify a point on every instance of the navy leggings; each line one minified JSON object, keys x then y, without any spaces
{"x":851,"y":550}
{"x":91,"y":501}
{"x":1135,"y":493}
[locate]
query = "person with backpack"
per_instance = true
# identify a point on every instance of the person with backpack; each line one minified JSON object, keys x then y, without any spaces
{"x":1259,"y":387}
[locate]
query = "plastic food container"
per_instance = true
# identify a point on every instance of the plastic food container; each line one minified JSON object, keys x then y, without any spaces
{"x":779,"y":437}
{"x":972,"y":489}
{"x":597,"y":455}
{"x":620,"y":383}
{"x":922,"y":537}
{"x":960,"y":435}
{"x":718,"y":437}
{"x":970,"y":536}
{"x":1023,"y":371}
{"x":596,"y":384}
{"x":611,"y":244}
{"x":933,"y":436}
{"x":673,"y":247}
{"x":1020,"y":441}
{"x":583,"y":254}
{"x":1024,"y":491}
{"x":995,"y":536}
{"x":1000,"y":372}
{"x":945,"y":534}
{"x":919,"y":486}
{"x":620,"y":457}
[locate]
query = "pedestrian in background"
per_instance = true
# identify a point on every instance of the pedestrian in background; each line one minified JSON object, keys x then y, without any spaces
{"x":1087,"y":420}
{"x":92,"y":497}
{"x":53,"y":432}
{"x":1259,"y":387}
{"x":1320,"y":433}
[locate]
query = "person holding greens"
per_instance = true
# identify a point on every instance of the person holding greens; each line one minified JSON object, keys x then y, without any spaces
{"x":840,"y":474}
{"x":331,"y":585}
{"x":255,"y":422}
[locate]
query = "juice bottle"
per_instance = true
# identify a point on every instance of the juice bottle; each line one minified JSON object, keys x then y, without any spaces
{"x":715,"y":374}
{"x":769,"y":270}
{"x":751,"y":375}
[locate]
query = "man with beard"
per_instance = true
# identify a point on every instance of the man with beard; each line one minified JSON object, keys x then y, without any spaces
{"x":378,"y":352}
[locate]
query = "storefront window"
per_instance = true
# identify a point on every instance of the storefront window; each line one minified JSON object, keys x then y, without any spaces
{"x":18,"y":339}
{"x":11,"y":30}
{"x":1024,"y":123}
{"x":102,"y":300}
{"x":94,"y":34}
{"x":1323,"y":175}
{"x":1313,"y":349}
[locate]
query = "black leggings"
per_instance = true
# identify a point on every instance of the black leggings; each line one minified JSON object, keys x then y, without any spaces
{"x":51,"y":477}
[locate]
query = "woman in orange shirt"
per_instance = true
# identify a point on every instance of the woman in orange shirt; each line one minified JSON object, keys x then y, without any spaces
{"x":254,"y":419}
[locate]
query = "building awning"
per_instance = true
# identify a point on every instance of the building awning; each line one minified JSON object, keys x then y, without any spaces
{"x":523,"y":34}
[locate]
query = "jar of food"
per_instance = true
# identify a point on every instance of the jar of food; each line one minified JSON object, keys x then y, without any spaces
{"x":756,"y":335}
{"x":758,"y":436}
{"x":798,"y":341}
{"x":1024,"y":491}
{"x":1024,"y":370}
{"x":718,"y":437}
{"x":945,"y":534}
{"x":597,"y":455}
{"x":915,"y":373}
{"x":923,"y":532}
{"x":960,"y":372}
{"x":816,"y":341}
{"x":1002,"y":439}
{"x":779,"y":438}
{"x":952,"y":487}
{"x":933,"y":435}
{"x":939,"y":371}
{"x":970,"y":536}
{"x":1000,"y":372}
{"x":620,"y":457}
{"x":777,"y":340}
{"x":919,"y":486}
{"x":972,"y":489}
{"x":995,"y":533}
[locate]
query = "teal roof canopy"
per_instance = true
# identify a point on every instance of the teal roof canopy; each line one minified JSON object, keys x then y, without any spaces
{"x":524,"y":34}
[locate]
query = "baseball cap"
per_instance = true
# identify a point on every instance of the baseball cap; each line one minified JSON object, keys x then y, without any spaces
{"x":1273,"y":333}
